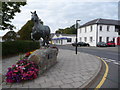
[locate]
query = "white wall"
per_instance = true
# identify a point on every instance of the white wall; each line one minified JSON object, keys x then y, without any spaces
{"x":104,"y":33}
{"x":88,"y":34}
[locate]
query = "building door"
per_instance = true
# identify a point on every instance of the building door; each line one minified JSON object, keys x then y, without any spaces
{"x":100,"y":39}
{"x":114,"y":40}
{"x":107,"y":39}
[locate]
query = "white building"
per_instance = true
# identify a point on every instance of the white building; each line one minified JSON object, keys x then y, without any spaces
{"x":63,"y":39}
{"x":98,"y":30}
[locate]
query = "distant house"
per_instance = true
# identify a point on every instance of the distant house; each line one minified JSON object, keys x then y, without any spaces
{"x":10,"y":36}
{"x":63,"y":39}
{"x":99,"y":30}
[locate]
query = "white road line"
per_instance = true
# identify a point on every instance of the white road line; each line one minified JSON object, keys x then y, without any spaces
{"x":104,"y":58}
{"x":107,"y":60}
{"x":116,"y":63}
{"x":112,"y":60}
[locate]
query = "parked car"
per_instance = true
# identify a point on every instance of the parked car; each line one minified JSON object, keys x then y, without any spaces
{"x":101,"y":44}
{"x":80,"y":44}
{"x":74,"y":44}
{"x":110,"y":44}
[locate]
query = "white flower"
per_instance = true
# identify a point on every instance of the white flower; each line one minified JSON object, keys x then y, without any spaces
{"x":23,"y":68}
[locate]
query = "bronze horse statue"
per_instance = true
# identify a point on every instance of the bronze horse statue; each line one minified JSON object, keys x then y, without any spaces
{"x":39,"y":31}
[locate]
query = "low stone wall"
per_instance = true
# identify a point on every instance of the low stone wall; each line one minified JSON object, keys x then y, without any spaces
{"x":45,"y":58}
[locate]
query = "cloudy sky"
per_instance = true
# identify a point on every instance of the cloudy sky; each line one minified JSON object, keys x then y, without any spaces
{"x":63,"y":13}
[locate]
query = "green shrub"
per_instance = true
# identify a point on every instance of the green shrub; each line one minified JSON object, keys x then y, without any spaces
{"x":17,"y":47}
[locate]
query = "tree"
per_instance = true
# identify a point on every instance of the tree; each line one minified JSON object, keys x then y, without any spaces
{"x":25,"y":31}
{"x":68,"y":30}
{"x":8,"y":12}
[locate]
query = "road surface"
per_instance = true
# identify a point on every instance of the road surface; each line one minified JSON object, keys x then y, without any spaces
{"x":111,"y":56}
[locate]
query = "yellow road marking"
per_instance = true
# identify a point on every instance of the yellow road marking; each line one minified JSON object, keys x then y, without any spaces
{"x":105,"y":75}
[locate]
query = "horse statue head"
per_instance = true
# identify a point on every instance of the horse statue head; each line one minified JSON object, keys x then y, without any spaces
{"x":39,"y":30}
{"x":34,"y":16}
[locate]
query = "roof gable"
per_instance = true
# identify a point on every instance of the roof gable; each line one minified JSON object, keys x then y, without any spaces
{"x":102,"y":21}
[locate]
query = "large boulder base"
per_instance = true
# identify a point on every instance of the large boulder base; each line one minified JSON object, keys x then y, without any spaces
{"x":44,"y":57}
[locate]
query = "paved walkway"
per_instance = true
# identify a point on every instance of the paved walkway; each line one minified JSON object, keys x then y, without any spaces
{"x":71,"y":71}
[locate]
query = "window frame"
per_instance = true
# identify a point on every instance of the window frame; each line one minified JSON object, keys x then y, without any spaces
{"x":69,"y":39}
{"x":100,"y":28}
{"x":108,"y":28}
{"x":91,"y":39}
{"x":91,"y":28}
{"x":100,"y":39}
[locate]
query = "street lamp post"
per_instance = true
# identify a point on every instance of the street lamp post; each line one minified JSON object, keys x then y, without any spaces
{"x":76,"y":34}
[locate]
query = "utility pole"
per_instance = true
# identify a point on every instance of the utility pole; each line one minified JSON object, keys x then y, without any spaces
{"x":76,"y":35}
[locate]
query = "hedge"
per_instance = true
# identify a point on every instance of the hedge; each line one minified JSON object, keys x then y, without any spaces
{"x":17,"y":47}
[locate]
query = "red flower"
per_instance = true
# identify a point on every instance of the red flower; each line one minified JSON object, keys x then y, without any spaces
{"x":25,"y":70}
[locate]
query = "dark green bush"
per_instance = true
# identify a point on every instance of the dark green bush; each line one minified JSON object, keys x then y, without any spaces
{"x":17,"y":47}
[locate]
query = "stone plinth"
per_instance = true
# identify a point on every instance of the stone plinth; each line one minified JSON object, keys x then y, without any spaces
{"x":44,"y":57}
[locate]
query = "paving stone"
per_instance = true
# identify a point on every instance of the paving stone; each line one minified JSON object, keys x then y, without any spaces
{"x":55,"y":87}
{"x":75,"y":79}
{"x":66,"y":86}
{"x":34,"y":86}
{"x":59,"y":78}
{"x":86,"y":77}
{"x":46,"y":85}
{"x":22,"y":88}
{"x":77,"y":74}
{"x":9,"y":88}
{"x":76,"y":84}
{"x":68,"y":76}
{"x":26,"y":83}
{"x":17,"y":85}
{"x":49,"y":79}
{"x":67,"y":81}
{"x":39,"y":80}
{"x":6,"y":86}
{"x":56,"y":83}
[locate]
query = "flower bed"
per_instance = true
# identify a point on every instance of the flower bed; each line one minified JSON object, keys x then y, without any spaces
{"x":23,"y":70}
{"x":29,"y":53}
{"x":28,"y":67}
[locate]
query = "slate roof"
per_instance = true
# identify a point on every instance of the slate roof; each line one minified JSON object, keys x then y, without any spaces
{"x":102,"y":21}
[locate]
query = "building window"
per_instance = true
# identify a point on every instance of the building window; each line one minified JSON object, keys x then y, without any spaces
{"x":69,"y":40}
{"x":91,"y":29}
{"x":80,"y":30}
{"x":85,"y":39}
{"x":100,"y":39}
{"x":107,"y":28}
{"x":80,"y":39}
{"x":59,"y":41}
{"x":100,"y":28}
{"x":85,"y":29}
{"x":116,"y":29}
{"x":107,"y":39}
{"x":91,"y":39}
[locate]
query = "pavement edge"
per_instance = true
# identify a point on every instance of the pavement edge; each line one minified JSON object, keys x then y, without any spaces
{"x":92,"y":79}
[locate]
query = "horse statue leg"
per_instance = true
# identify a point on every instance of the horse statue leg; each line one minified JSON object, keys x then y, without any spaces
{"x":43,"y":43}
